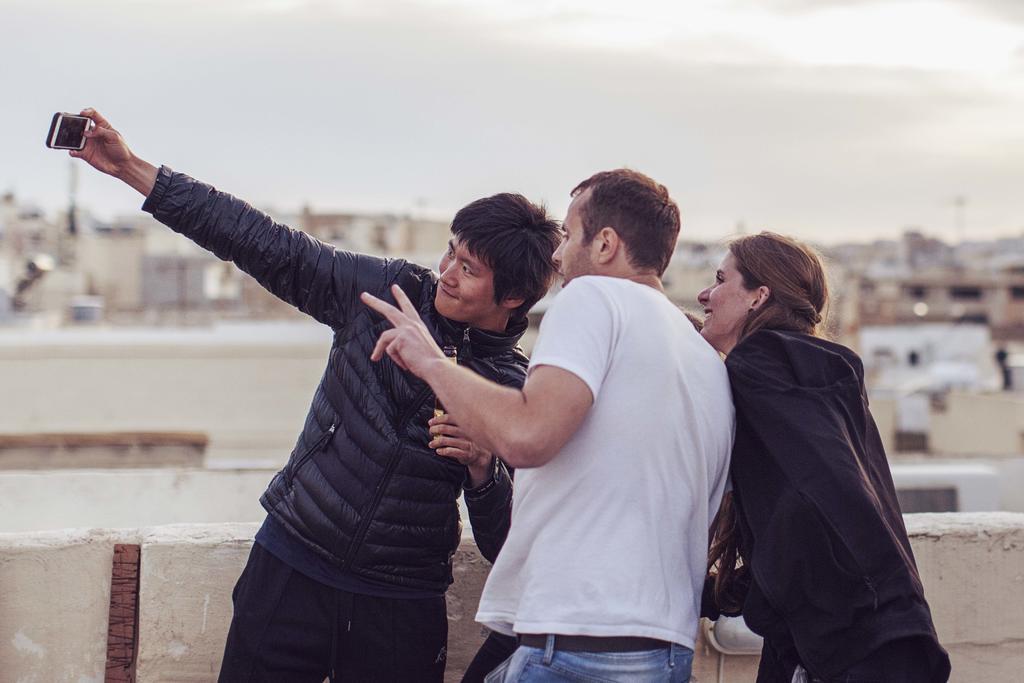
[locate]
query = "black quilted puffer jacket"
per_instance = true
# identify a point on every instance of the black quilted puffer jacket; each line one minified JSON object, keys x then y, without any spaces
{"x":361,"y":487}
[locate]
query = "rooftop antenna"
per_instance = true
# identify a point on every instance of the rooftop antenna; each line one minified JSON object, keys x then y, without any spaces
{"x":960,"y":217}
{"x":72,"y":192}
{"x":67,"y":236}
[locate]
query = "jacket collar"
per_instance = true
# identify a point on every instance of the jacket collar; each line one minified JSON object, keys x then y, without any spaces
{"x":481,"y":342}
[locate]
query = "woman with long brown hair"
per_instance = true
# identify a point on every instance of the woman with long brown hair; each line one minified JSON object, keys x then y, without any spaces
{"x":810,"y":544}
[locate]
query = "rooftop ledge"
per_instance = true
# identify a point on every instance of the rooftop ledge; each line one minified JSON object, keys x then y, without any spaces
{"x":103,"y":439}
{"x":55,"y":599}
{"x":99,"y":450}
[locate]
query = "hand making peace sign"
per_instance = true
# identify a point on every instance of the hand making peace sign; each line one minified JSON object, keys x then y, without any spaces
{"x":408,"y":343}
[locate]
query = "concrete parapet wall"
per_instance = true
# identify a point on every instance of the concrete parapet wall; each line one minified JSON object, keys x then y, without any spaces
{"x":186,"y":579}
{"x":54,"y":601}
{"x":972,"y":566}
{"x":55,"y":591}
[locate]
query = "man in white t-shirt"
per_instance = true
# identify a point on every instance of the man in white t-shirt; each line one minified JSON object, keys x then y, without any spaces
{"x":621,"y":435}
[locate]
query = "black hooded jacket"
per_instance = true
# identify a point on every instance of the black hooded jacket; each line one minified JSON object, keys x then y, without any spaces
{"x":833,"y":573}
{"x":361,"y":487}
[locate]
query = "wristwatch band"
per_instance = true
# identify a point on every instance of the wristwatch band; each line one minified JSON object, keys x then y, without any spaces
{"x":491,"y":482}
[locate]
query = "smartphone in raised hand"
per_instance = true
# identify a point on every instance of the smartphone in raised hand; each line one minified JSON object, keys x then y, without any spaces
{"x":67,"y":131}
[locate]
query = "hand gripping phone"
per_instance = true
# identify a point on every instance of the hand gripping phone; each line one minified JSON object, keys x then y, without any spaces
{"x":67,"y":131}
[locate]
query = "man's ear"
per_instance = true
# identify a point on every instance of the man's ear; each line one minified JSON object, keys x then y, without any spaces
{"x":763,"y":294}
{"x":605,"y":245}
{"x":512,"y":302}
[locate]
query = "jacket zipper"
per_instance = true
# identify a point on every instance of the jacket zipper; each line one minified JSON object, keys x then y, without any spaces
{"x":466,"y":346}
{"x":389,"y":468}
{"x":301,"y":460}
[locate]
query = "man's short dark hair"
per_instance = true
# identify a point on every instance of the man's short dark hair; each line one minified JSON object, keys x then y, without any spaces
{"x":517,"y":240}
{"x":638,"y":209}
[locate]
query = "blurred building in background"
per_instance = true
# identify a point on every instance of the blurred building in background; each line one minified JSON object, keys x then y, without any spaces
{"x":74,"y":269}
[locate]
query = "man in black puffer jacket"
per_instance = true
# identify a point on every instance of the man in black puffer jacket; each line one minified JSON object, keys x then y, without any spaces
{"x":348,"y":573}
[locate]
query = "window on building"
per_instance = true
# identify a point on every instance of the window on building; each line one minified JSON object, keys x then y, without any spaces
{"x":883,"y":356}
{"x":928,"y":500}
{"x":911,"y":442}
{"x":965,"y":293}
{"x":1017,"y":292}
{"x":916,"y":291}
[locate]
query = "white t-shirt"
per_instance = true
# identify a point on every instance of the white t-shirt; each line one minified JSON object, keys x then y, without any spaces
{"x":610,"y":537}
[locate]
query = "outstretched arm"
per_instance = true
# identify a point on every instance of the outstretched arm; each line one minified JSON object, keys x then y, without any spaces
{"x":528,"y":426}
{"x":313,"y":276}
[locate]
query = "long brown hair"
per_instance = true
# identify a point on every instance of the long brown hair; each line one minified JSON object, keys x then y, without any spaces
{"x":798,"y":300}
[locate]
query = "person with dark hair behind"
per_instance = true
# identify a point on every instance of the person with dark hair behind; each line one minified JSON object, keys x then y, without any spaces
{"x":810,"y":544}
{"x":348,"y":574}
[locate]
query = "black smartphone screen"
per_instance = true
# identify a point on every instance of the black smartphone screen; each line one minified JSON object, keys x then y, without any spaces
{"x":71,"y":132}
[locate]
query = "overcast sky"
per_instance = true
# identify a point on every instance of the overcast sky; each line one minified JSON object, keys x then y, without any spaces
{"x":827,"y":119}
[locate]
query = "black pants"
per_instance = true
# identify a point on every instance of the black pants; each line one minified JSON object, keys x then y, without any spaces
{"x":495,"y":650}
{"x":288,"y":627}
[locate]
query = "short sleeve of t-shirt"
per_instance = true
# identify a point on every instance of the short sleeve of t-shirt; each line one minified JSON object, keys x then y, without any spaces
{"x":577,"y":333}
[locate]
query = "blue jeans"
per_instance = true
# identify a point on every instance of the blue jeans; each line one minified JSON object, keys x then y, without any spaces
{"x":535,"y":665}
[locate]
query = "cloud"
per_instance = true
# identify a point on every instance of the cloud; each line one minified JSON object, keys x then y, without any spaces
{"x":800,"y":6}
{"x":1008,"y":10}
{"x":372,"y":108}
